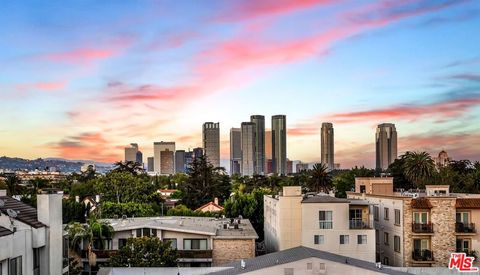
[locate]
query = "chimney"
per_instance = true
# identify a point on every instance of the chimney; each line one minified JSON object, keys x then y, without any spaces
{"x":215,"y":200}
{"x":49,"y":210}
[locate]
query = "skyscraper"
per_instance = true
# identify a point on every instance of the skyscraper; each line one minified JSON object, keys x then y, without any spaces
{"x":248,"y":148}
{"x":180,"y":161}
{"x":163,"y":153}
{"x":386,"y":145}
{"x":211,"y":142}
{"x":279,"y":144}
{"x":235,"y":150}
{"x":150,"y":164}
{"x":259,"y":144}
{"x":268,"y":152}
{"x":327,"y":145}
{"x":139,"y":158}
{"x":131,"y":152}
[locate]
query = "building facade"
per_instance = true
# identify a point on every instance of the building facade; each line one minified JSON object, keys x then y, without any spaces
{"x":259,"y":144}
{"x":279,"y":144}
{"x":131,"y":152}
{"x":235,"y":150}
{"x":327,"y":145}
{"x":385,"y":145}
{"x":420,"y":229}
{"x":319,"y":221}
{"x":164,"y":157}
{"x":180,"y":161}
{"x":32,"y":240}
{"x":248,"y":149}
{"x":211,"y":142}
{"x":150,"y":164}
{"x":268,"y":152}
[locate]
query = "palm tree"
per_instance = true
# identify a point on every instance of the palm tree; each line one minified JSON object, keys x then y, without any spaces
{"x":418,"y":167}
{"x":319,"y":178}
{"x":12,"y":182}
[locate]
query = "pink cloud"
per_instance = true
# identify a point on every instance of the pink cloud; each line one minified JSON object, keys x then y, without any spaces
{"x":442,"y":110}
{"x":41,"y":86}
{"x":78,"y":55}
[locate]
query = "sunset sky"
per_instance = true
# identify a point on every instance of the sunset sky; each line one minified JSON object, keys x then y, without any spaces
{"x":82,"y":79}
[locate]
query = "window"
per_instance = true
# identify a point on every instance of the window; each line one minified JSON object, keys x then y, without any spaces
{"x":323,"y":267}
{"x":397,"y":216}
{"x":420,"y":217}
{"x":154,"y":232}
{"x":195,"y":244}
{"x":173,"y":242}
{"x":462,"y":217}
{"x":362,"y":188}
{"x":463,"y":245}
{"x":386,"y":213}
{"x":146,"y":232}
{"x":288,"y":271}
{"x":421,"y":244}
{"x":15,"y":266}
{"x":377,"y":236}
{"x":344,"y":239}
{"x":325,"y":218}
{"x":318,"y":239}
{"x":385,"y":260}
{"x":375,"y":213}
{"x":309,"y":266}
{"x":361,"y":239}
{"x":139,"y":232}
{"x":396,"y":243}
{"x":122,"y":243}
{"x":386,"y":240}
{"x":36,"y":261}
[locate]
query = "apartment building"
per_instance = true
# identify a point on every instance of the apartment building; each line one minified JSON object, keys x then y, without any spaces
{"x":32,"y":240}
{"x":422,"y":228}
{"x":200,"y":241}
{"x":319,"y":221}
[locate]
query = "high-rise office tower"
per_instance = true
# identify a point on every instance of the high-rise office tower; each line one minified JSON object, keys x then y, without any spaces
{"x":386,"y":145}
{"x":164,"y":159}
{"x":279,"y":144}
{"x":327,"y":145}
{"x":131,"y":152}
{"x":211,"y":142}
{"x":259,"y":143}
{"x":248,"y":148}
{"x":139,"y":158}
{"x":235,"y":150}
{"x":180,"y":161}
{"x":268,"y":152}
{"x":150,"y":164}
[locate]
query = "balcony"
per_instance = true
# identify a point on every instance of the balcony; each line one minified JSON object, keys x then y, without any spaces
{"x":195,"y":254}
{"x":356,"y":224}
{"x":424,"y":255}
{"x":422,"y":227}
{"x":101,"y":254}
{"x":461,"y":227}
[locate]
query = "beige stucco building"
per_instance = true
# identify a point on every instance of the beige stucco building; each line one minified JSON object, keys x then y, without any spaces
{"x":322,"y":222}
{"x":419,"y":229}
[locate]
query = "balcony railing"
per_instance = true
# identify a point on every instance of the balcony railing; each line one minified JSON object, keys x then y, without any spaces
{"x":422,"y":227}
{"x":461,"y":227}
{"x":422,"y":255}
{"x":356,"y":224}
{"x":195,"y":254}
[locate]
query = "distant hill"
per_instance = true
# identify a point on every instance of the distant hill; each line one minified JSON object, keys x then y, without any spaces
{"x":58,"y":164}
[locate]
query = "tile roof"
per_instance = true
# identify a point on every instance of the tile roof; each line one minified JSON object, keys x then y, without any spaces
{"x":25,"y":213}
{"x":297,"y":254}
{"x":208,"y":204}
{"x":5,"y":231}
{"x":421,"y":203}
{"x":468,"y":203}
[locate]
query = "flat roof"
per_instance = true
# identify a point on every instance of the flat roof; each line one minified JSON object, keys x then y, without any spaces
{"x":195,"y":225}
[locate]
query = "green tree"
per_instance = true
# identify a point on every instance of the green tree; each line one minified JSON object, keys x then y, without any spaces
{"x":205,"y":183}
{"x":182,"y":210}
{"x":131,"y":167}
{"x":13,"y":185}
{"x":121,"y":187}
{"x":396,"y":170}
{"x":418,"y":167}
{"x":319,"y":178}
{"x":73,"y":211}
{"x":145,"y":252}
{"x":345,"y":180}
{"x":111,"y":209}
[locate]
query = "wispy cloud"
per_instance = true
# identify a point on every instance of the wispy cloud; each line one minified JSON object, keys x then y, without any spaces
{"x":47,"y":86}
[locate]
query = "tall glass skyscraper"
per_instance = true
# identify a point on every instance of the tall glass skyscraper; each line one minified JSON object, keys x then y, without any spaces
{"x":248,"y":148}
{"x":211,"y":142}
{"x":259,"y":144}
{"x":235,"y":150}
{"x":279,"y":144}
{"x":327,"y":143}
{"x":385,"y":145}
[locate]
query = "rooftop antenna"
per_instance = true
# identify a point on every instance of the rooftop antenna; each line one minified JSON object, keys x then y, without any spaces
{"x":12,"y":213}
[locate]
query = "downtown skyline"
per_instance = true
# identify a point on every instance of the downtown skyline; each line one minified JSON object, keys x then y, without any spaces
{"x":98,"y":79}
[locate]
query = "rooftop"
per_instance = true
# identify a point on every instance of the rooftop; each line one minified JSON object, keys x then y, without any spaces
{"x":196,"y":225}
{"x":5,"y":231}
{"x":297,"y":254}
{"x":323,"y":198}
{"x":25,"y":213}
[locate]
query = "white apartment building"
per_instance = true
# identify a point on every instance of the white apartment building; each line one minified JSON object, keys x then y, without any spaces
{"x":32,"y":240}
{"x":319,"y":221}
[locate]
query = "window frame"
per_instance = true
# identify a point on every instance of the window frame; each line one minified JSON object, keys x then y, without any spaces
{"x":344,"y":239}
{"x":360,"y":239}
{"x":397,"y":222}
{"x":386,"y":213}
{"x":386,"y":238}
{"x":376,"y":213}
{"x":396,"y":243}
{"x":326,"y":223}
